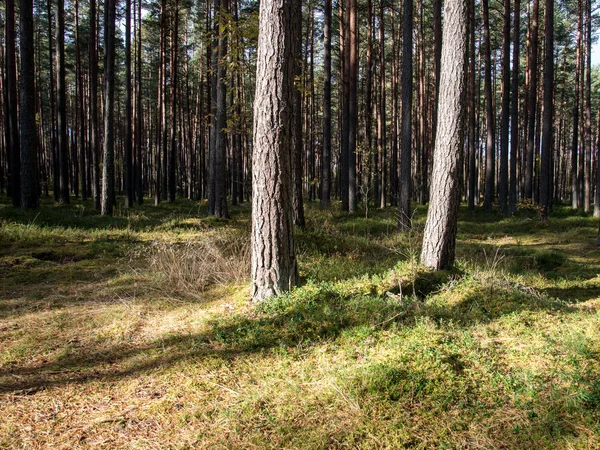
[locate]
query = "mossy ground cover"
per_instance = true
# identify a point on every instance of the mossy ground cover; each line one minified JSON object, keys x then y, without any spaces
{"x":103,"y":346}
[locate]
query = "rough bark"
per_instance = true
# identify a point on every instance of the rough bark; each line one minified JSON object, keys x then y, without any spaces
{"x":274,"y":267}
{"x":440,"y":228}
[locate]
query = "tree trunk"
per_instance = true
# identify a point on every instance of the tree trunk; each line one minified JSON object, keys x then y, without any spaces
{"x":128,"y":111}
{"x":532,"y":113}
{"x":63,"y":162}
{"x":12,"y":130}
{"x":548,"y":120}
{"x":108,"y":173}
{"x":440,"y":229}
{"x":29,"y":166}
{"x":274,"y":267}
{"x":404,"y":213}
{"x":490,"y":121}
{"x":174,"y":70}
{"x":504,"y":142}
{"x":326,"y":159}
{"x":514,"y":123}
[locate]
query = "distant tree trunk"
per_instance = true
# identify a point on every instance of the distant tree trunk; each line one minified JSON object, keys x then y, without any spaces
{"x":139,"y":127}
{"x":472,"y":109}
{"x":490,"y":121}
{"x":531,"y":129}
{"x":174,"y":69}
{"x":597,"y":195}
{"x":326,"y":161}
{"x":217,"y":188}
{"x":381,"y":119}
{"x":588,"y":107}
{"x":80,"y":109}
{"x":62,"y":104}
{"x":514,"y":123}
{"x":404,"y":213}
{"x":548,"y":120}
{"x":29,"y":166}
{"x":94,"y":125}
{"x":353,"y":104}
{"x":274,"y":268}
{"x":108,"y":171}
{"x":505,"y":124}
{"x":128,"y":111}
{"x":574,"y":142}
{"x":297,"y":146}
{"x":12,"y":130}
{"x":440,"y":229}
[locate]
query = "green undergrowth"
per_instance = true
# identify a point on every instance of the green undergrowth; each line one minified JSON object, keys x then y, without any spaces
{"x":137,"y":331}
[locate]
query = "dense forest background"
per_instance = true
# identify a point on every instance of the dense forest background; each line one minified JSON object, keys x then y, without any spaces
{"x":184,"y":87}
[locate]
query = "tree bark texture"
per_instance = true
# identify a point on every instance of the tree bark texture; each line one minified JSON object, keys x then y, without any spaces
{"x":440,"y":228}
{"x":274,"y":268}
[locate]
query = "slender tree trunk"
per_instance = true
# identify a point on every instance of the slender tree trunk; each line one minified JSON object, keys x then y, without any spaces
{"x":490,"y":122}
{"x":139,"y":128}
{"x":63,"y":162}
{"x":404,"y":212}
{"x":108,"y":172}
{"x":29,"y":164}
{"x":588,"y":107}
{"x":12,"y":130}
{"x":472,"y":110}
{"x":532,"y":103}
{"x":381,"y":137}
{"x":548,"y":120}
{"x":440,"y":229}
{"x":326,"y":161}
{"x":128,"y":111}
{"x":352,"y":102}
{"x":174,"y":70}
{"x":274,"y":268}
{"x":504,"y":141}
{"x":514,"y":119}
{"x":297,"y":146}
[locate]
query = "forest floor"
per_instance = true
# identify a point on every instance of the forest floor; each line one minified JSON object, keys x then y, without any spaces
{"x":137,"y":332}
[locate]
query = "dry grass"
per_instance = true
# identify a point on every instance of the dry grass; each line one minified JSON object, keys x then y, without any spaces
{"x":193,"y":266}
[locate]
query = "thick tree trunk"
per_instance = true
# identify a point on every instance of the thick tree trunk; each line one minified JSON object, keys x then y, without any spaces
{"x":404,"y":212}
{"x":588,"y":107}
{"x":108,"y":171}
{"x":274,"y":267}
{"x":27,"y":128}
{"x":440,"y":229}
